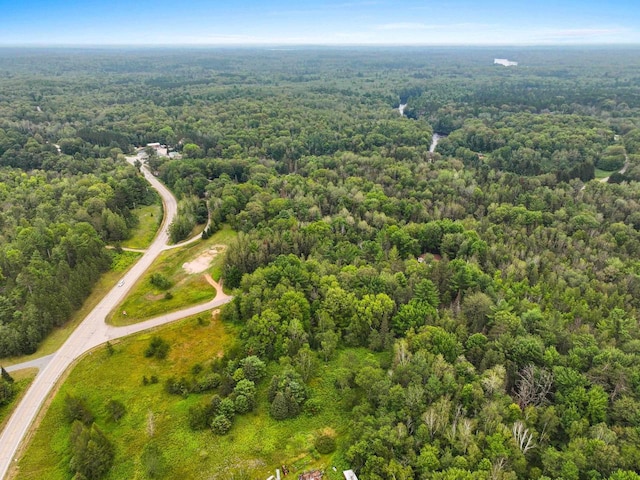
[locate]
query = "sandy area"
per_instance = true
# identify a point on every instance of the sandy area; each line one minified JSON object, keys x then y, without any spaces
{"x":201,"y":263}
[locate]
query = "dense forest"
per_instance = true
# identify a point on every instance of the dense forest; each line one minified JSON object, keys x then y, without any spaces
{"x":496,"y":280}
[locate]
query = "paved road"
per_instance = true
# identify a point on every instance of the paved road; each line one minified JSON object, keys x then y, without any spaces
{"x":38,"y":363}
{"x":93,"y":331}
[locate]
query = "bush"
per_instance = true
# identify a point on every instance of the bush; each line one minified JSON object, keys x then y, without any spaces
{"x":174,"y":386}
{"x":227,"y":407}
{"x":158,"y":347}
{"x":115,"y":410}
{"x":207,"y":382}
{"x":160,"y":281}
{"x":254,"y":369}
{"x":77,"y":410}
{"x":200,"y":416}
{"x":220,"y":425}
{"x":7,"y":392}
{"x":325,"y":444}
{"x":241,"y":404}
{"x":312,"y":407}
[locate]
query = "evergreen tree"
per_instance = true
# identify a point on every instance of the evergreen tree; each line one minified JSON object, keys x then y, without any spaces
{"x":279,"y":407}
{"x":5,"y":375}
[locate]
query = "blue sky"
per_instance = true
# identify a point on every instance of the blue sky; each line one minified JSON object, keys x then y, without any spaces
{"x":304,"y":22}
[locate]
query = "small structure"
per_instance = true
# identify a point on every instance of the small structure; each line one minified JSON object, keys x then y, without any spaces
{"x":504,"y":62}
{"x":314,"y":475}
{"x":350,"y":475}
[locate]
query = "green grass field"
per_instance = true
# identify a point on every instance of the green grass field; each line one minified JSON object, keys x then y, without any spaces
{"x":121,"y":263}
{"x":147,"y":301}
{"x":603,"y":173}
{"x":256,"y":444}
{"x":149,"y":218}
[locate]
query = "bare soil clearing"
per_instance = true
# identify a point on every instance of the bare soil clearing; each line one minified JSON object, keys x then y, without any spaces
{"x":202,"y":263}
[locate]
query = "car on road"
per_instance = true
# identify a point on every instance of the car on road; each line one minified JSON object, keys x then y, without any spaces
{"x":121,"y":283}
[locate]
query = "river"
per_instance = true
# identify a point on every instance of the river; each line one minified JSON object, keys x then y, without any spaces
{"x":434,"y":139}
{"x":434,"y":142}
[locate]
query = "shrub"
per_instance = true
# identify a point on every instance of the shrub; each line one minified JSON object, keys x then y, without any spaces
{"x":158,"y":347}
{"x":174,"y":386}
{"x":115,"y":410}
{"x":207,"y":382}
{"x":325,"y":444}
{"x":241,"y":404}
{"x":76,"y":409}
{"x":199,"y":416}
{"x":160,"y":281}
{"x":254,"y":369}
{"x":312,"y":407}
{"x":227,"y":407}
{"x":220,"y":425}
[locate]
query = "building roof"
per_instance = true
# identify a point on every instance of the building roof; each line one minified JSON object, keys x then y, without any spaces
{"x":350,"y":475}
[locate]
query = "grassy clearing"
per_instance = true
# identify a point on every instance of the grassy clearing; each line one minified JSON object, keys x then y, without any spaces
{"x":23,"y":379}
{"x":256,"y":444}
{"x":149,"y":217}
{"x":121,"y":263}
{"x":603,"y":173}
{"x":147,"y":301}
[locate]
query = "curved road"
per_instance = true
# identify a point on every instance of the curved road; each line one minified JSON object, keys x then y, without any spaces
{"x":93,"y":331}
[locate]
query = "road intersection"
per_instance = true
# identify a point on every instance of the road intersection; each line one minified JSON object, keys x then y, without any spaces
{"x":94,"y":331}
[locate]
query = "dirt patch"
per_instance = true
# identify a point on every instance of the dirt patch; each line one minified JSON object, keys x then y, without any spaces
{"x":201,"y":263}
{"x":153,"y":298}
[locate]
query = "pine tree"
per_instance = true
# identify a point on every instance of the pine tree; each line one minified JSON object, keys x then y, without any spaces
{"x":280,"y":407}
{"x":5,"y":375}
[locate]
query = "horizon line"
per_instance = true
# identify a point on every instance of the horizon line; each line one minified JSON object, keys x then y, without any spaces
{"x":309,"y":45}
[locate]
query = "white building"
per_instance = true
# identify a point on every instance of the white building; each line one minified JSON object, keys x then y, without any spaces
{"x":349,"y":475}
{"x":504,"y":62}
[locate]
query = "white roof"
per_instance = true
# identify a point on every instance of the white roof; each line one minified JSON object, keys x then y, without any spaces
{"x":349,"y":475}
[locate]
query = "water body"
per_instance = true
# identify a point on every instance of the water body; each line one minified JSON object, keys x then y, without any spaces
{"x":434,"y":141}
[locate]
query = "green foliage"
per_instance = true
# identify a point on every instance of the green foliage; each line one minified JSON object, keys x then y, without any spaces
{"x":92,"y":453}
{"x":160,"y":281}
{"x":4,"y":375}
{"x":221,"y":425}
{"x":280,"y":407}
{"x":77,"y":410}
{"x":115,"y":410}
{"x":442,"y":277}
{"x":153,"y":461}
{"x":158,"y":348}
{"x":325,"y":444}
{"x":287,"y":394}
{"x":7,"y":391}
